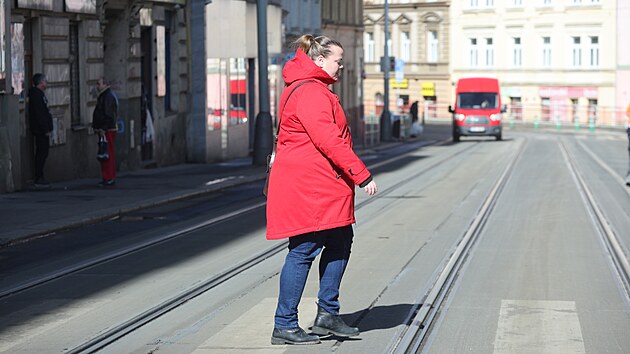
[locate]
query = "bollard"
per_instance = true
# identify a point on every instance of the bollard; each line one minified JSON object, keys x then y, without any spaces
{"x":536,"y":122}
{"x":511,"y":120}
{"x":558,"y":123}
{"x":577,"y":125}
{"x":591,"y":124}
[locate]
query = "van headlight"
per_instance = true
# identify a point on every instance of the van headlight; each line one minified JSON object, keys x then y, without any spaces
{"x":460,"y":117}
{"x":496,"y":117}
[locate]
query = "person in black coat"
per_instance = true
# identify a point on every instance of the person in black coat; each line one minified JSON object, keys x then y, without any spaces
{"x":104,"y":124}
{"x":413,"y":110}
{"x":41,"y":124}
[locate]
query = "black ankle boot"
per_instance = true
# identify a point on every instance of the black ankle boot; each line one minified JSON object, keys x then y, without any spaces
{"x":292,"y":336}
{"x":327,"y":323}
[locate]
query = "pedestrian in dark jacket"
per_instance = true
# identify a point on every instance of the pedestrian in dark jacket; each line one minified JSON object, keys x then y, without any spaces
{"x":104,"y":124}
{"x":414,"y":112}
{"x":311,"y":189}
{"x":40,"y":124}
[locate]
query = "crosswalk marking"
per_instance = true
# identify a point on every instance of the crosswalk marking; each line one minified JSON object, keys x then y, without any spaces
{"x":538,"y":327}
{"x":252,"y":330}
{"x":607,"y":137}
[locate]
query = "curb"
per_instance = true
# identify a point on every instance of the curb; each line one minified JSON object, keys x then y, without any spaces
{"x":142,"y":204}
{"x":112,"y":213}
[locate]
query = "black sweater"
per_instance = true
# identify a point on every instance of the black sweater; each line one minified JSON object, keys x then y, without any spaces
{"x":106,"y":111}
{"x":39,"y":117}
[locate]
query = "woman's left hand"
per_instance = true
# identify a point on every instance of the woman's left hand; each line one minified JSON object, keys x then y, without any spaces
{"x":371,"y":188}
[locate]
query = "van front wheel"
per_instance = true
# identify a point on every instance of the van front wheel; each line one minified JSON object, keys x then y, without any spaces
{"x":499,"y":137}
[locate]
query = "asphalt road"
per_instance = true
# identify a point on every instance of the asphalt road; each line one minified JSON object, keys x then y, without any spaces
{"x":539,"y":279}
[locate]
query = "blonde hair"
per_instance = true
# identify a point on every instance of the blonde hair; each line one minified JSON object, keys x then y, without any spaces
{"x":316,"y":46}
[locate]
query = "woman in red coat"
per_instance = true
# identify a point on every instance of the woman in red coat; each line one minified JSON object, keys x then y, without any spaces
{"x":311,"y":189}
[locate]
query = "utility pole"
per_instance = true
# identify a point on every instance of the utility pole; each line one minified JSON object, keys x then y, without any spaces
{"x":197,"y":140}
{"x":386,"y":123}
{"x":263,"y":138}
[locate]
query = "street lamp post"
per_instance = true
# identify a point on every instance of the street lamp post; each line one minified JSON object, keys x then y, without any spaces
{"x":386,"y":124}
{"x":263,"y":136}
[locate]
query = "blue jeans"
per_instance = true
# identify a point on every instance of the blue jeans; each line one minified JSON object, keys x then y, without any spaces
{"x":303,"y":249}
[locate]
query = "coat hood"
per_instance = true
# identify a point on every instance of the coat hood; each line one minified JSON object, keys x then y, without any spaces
{"x":303,"y":68}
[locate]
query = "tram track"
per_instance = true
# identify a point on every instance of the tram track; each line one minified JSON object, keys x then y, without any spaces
{"x":139,"y":246}
{"x":112,"y":255}
{"x":128,"y":326}
{"x":605,"y":230}
{"x":428,"y":308}
{"x":604,"y":166}
{"x":419,"y":329}
{"x":113,"y":334}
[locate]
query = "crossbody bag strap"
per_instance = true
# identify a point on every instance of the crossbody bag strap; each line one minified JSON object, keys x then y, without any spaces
{"x":285,"y":103}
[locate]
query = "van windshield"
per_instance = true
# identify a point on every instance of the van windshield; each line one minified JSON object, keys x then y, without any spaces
{"x":477,"y":100}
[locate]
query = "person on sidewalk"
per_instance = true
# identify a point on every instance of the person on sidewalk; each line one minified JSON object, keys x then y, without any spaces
{"x":311,"y":189}
{"x":413,"y":110}
{"x":104,"y":124}
{"x":41,"y":124}
{"x":628,"y":132}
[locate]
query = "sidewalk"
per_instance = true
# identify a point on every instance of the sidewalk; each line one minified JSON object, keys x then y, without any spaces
{"x":68,"y":204}
{"x":35,"y":213}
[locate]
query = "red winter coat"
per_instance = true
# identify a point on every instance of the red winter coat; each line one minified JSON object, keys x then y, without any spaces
{"x":311,"y":186}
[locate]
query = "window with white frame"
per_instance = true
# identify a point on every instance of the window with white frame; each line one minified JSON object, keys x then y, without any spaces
{"x":584,"y":2}
{"x":405,"y":46}
{"x":546,"y":2}
{"x":576,"y":51}
{"x":546,"y":52}
{"x":489,"y":52}
{"x":517,"y":2}
{"x":473,"y":52}
{"x":369,"y":47}
{"x":594,"y":51}
{"x":517,"y":52}
{"x":432,"y":47}
{"x":480,"y":4}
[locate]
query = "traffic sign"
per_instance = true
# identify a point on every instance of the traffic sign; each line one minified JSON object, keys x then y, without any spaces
{"x":399,"y":68}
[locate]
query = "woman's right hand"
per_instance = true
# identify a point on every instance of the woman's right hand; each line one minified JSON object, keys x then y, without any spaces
{"x":371,"y":188}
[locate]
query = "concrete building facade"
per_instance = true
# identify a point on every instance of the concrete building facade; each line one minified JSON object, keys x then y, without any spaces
{"x":231,"y":80}
{"x":419,"y":35}
{"x":556,"y":60}
{"x":338,"y":19}
{"x":140,"y":46}
{"x":153,"y":52}
{"x":343,"y":21}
